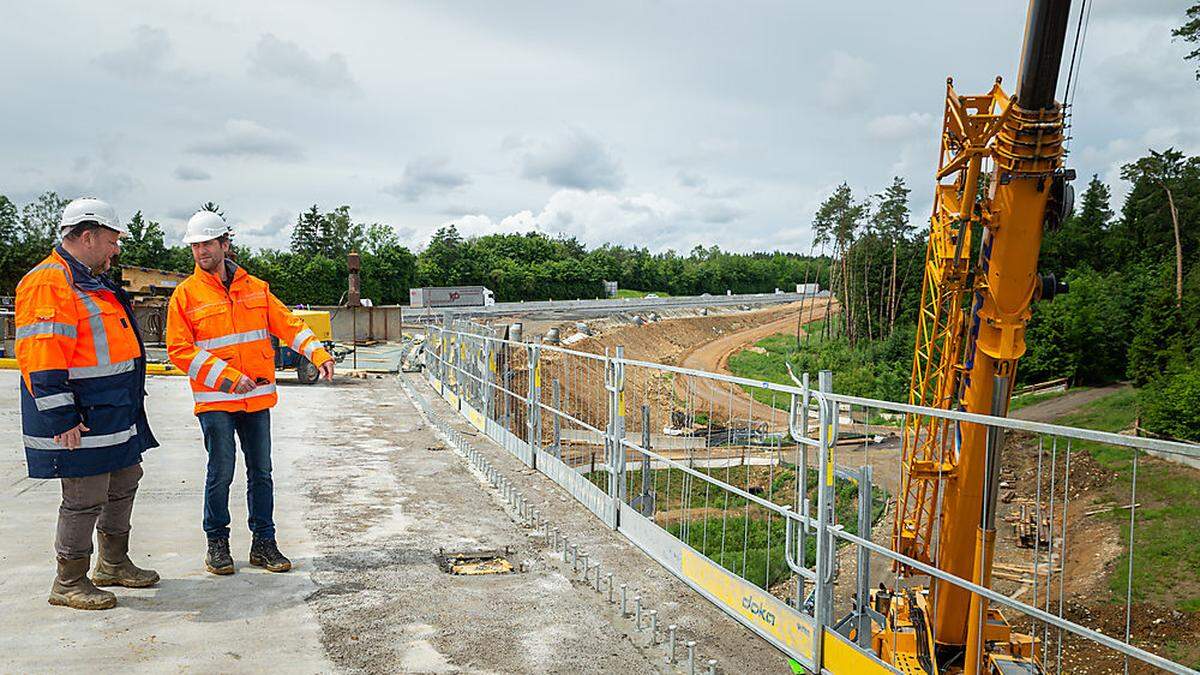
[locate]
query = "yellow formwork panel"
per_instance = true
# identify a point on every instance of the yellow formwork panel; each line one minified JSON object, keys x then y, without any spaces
{"x":151,"y":368}
{"x":318,"y":321}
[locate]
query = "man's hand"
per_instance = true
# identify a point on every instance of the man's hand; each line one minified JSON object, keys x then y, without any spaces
{"x":244,"y":385}
{"x":326,"y":370}
{"x":70,"y":439}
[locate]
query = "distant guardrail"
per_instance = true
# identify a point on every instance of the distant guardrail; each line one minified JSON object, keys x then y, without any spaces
{"x":610,"y":305}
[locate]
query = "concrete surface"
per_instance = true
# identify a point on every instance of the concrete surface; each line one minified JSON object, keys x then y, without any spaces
{"x":366,"y":495}
{"x":253,"y":620}
{"x":379,"y":358}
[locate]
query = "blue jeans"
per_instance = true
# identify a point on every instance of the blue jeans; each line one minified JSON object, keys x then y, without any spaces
{"x":254,"y":432}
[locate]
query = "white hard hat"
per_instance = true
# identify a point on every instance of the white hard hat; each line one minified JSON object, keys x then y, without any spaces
{"x":205,"y":226}
{"x":89,"y":208}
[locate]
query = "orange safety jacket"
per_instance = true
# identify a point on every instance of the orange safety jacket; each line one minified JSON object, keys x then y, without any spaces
{"x":218,"y":334}
{"x":81,"y":361}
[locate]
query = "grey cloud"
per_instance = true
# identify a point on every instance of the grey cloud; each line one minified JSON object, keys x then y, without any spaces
{"x":406,"y":234}
{"x":702,"y":186}
{"x":575,"y":160}
{"x":144,"y":57}
{"x":719,"y":212}
{"x":514,"y":142}
{"x":108,"y":185}
{"x":148,"y":56}
{"x":847,"y":82}
{"x":427,"y":175}
{"x":458,"y":210}
{"x":246,"y":138}
{"x":277,"y":223}
{"x":99,"y":173}
{"x":1144,"y":8}
{"x":900,"y":127}
{"x":180,"y":212}
{"x":690,"y":179}
{"x":191,"y":173}
{"x":280,"y":59}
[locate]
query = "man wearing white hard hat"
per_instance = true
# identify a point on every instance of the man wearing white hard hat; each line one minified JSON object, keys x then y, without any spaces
{"x":219,"y":326}
{"x":83,"y":417}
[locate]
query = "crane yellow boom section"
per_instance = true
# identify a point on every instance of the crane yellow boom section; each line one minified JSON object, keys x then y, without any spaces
{"x":999,"y":174}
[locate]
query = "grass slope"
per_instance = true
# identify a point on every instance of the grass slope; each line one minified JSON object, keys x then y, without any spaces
{"x":630,"y":293}
{"x":1166,"y":562}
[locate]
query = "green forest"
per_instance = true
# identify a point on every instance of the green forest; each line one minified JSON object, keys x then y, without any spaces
{"x":1132,"y":312}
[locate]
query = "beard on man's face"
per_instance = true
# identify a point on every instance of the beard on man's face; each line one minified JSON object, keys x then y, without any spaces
{"x":210,"y":262}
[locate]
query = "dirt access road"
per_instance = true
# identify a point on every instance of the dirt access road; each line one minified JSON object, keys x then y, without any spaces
{"x":729,"y":400}
{"x":366,"y":495}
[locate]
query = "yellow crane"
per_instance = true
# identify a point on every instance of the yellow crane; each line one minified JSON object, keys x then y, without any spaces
{"x":999,"y":179}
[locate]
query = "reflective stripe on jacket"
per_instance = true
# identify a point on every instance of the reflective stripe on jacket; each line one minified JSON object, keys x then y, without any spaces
{"x":217,"y":335}
{"x":81,"y":361}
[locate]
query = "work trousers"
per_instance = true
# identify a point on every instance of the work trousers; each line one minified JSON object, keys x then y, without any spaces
{"x":254,"y":433}
{"x":102,"y":502}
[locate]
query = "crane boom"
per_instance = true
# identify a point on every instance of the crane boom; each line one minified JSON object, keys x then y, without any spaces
{"x":999,"y":174}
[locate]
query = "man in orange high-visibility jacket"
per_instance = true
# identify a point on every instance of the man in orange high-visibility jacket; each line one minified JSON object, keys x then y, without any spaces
{"x":219,"y":326}
{"x":83,"y":418}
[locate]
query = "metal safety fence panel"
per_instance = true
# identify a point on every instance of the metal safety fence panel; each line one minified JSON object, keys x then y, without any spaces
{"x":571,"y":429}
{"x":778,"y":502}
{"x":495,"y":382}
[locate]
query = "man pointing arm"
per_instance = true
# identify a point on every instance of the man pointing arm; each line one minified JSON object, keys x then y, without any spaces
{"x":219,"y":326}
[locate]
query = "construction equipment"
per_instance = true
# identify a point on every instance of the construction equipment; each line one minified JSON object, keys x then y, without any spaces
{"x":1000,"y":179}
{"x":286,"y":358}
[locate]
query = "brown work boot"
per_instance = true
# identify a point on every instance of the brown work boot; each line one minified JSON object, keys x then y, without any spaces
{"x":265,"y":553}
{"x":113,"y":566}
{"x":72,"y":588}
{"x":218,"y":560}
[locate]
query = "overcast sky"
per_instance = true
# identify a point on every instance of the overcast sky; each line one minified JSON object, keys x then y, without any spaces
{"x":665,"y":124}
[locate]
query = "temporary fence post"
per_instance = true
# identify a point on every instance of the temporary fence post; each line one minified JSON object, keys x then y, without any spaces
{"x":646,"y":506}
{"x":557,"y":419}
{"x":535,"y":397}
{"x":617,"y":472}
{"x":825,"y":483}
{"x":864,"y":557}
{"x":442,"y":358}
{"x":802,"y":508}
{"x":489,"y":379}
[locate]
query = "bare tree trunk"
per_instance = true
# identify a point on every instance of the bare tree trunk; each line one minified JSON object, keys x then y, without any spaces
{"x":867,"y":294}
{"x":848,"y":310}
{"x":903,"y":286}
{"x":1178,"y":248}
{"x":800,"y":314}
{"x":828,"y":330}
{"x":883,"y":302}
{"x":892,"y":300}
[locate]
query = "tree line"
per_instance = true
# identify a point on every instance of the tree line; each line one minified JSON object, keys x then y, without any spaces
{"x":1133,"y":310}
{"x":516,"y":266}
